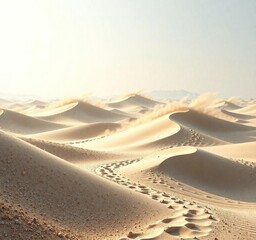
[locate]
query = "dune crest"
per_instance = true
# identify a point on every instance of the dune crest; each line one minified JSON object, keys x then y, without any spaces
{"x":215,"y":127}
{"x":133,"y":100}
{"x":20,"y":123}
{"x":208,"y":172}
{"x":82,"y":112}
{"x":78,"y":133}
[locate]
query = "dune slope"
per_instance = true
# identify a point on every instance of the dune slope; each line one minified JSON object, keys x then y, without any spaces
{"x":238,"y":115}
{"x":54,"y":191}
{"x":215,"y":127}
{"x":20,"y":123}
{"x":82,"y":112}
{"x":251,"y":109}
{"x":213,"y":173}
{"x":85,"y":131}
{"x":139,"y":135}
{"x":134,"y":100}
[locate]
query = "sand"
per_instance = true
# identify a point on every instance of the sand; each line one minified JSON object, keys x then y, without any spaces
{"x":129,"y":168}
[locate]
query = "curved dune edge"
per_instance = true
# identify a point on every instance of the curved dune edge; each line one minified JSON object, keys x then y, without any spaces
{"x":215,"y":127}
{"x":185,"y":137}
{"x":212,"y":173}
{"x":229,"y":106}
{"x":85,"y":131}
{"x":82,"y":112}
{"x":134,"y":100}
{"x":238,"y":115}
{"x":241,"y":152}
{"x":54,"y":191}
{"x":31,"y":106}
{"x":160,"y":133}
{"x":251,"y":109}
{"x":76,"y":155}
{"x":53,"y":111}
{"x":142,"y":134}
{"x":23,"y":124}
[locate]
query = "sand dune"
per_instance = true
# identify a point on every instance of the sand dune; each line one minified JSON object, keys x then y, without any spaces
{"x":242,"y":152}
{"x":20,"y":123}
{"x":215,"y":127}
{"x":81,"y":132}
{"x":160,"y":133}
{"x":54,"y":191}
{"x":53,"y":110}
{"x":37,"y":103}
{"x":134,"y":100}
{"x":76,"y":155}
{"x":32,"y":107}
{"x":251,"y":109}
{"x":152,"y":131}
{"x":229,"y":106}
{"x":238,"y":115}
{"x":82,"y":112}
{"x":212,"y":173}
{"x":22,"y":106}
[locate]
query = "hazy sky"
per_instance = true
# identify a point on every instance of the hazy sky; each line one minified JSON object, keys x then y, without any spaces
{"x":70,"y":47}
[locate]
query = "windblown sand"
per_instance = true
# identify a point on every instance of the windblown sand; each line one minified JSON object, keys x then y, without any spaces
{"x":131,"y":168}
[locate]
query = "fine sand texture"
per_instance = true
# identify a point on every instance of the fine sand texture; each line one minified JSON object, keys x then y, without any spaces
{"x":128,"y":168}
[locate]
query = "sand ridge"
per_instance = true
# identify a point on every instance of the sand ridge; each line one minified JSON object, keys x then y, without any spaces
{"x":133,"y":100}
{"x":80,"y":132}
{"x":83,"y":112}
{"x":20,"y":123}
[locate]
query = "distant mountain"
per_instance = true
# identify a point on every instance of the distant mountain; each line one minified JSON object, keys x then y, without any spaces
{"x":172,"y":94}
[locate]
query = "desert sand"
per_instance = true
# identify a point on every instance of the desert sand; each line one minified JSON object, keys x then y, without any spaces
{"x":128,"y":168}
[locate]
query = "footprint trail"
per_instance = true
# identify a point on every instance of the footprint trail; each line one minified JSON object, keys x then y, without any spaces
{"x":187,"y":220}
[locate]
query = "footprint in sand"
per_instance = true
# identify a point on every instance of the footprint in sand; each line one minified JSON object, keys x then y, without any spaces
{"x":187,"y":219}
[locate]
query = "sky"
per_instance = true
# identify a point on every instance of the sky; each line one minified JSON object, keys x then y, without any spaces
{"x":56,"y":48}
